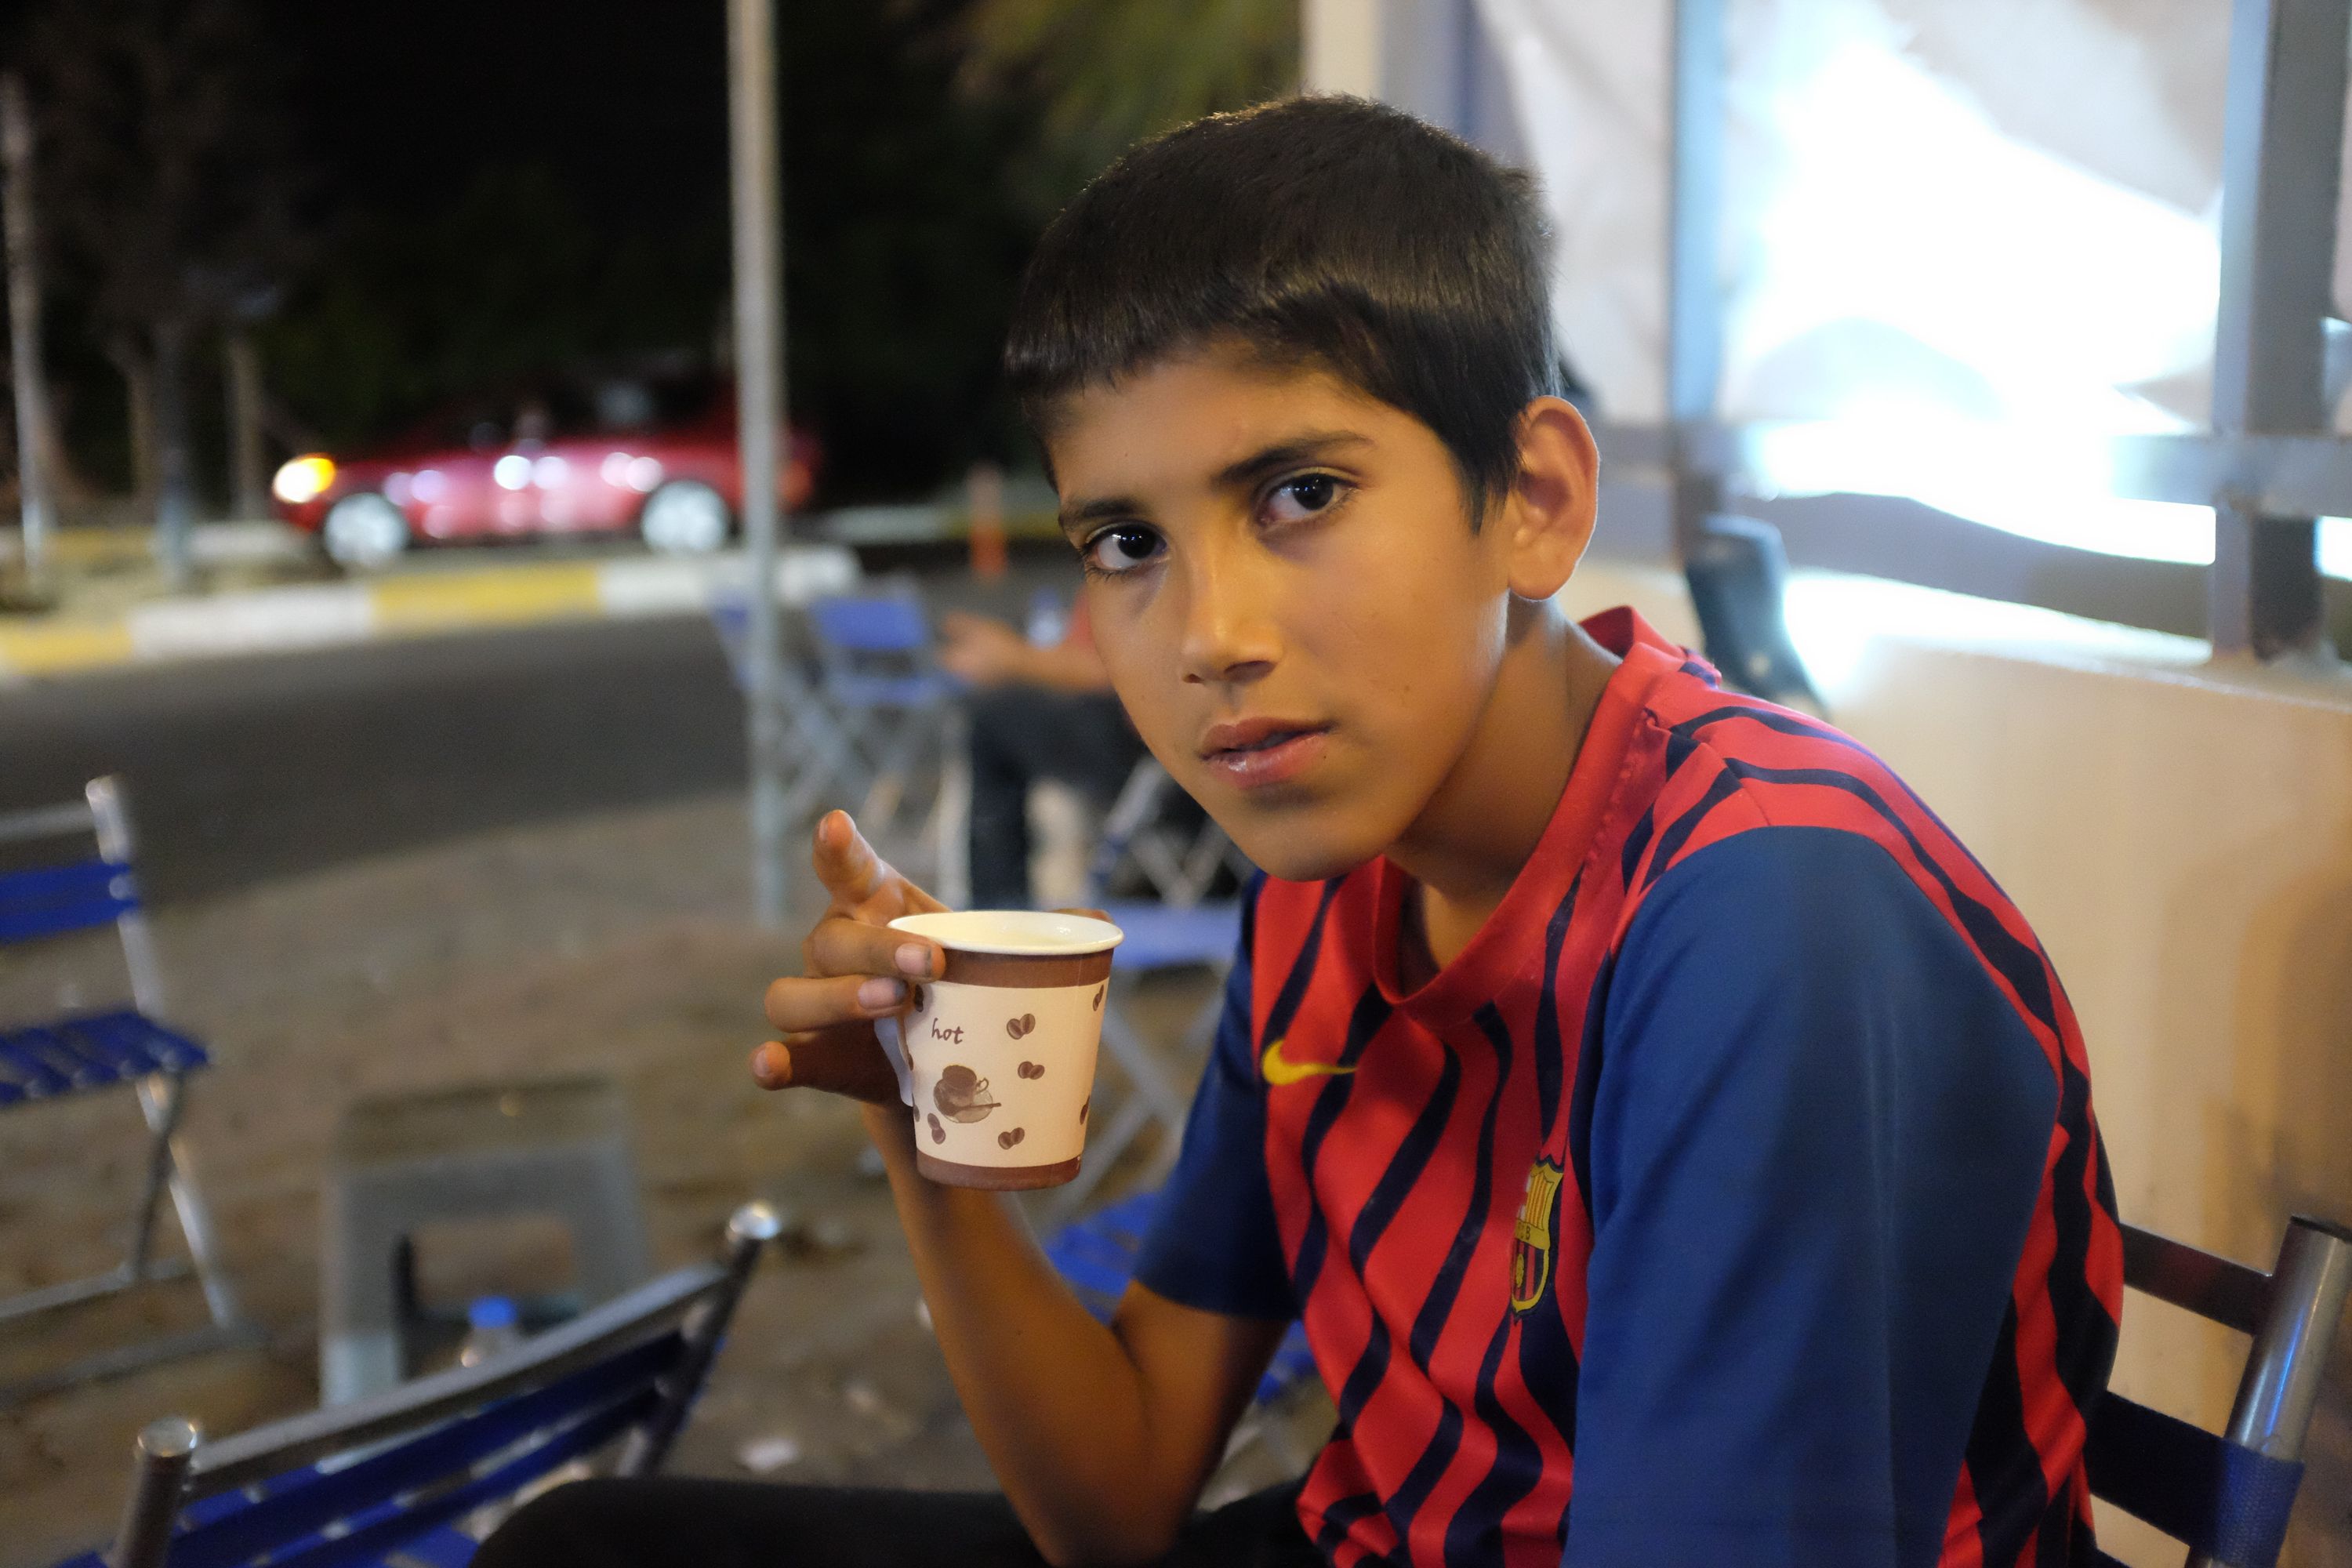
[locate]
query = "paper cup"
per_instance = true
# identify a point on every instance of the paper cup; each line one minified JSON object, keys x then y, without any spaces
{"x":996,"y":1058}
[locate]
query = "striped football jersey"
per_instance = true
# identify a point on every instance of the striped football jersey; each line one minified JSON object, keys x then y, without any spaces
{"x":1734,"y":1198}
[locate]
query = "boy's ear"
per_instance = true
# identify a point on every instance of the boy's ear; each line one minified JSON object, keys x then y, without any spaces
{"x":1550,"y":513}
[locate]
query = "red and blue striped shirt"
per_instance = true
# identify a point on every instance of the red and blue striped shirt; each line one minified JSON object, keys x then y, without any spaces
{"x":1734,"y":1198}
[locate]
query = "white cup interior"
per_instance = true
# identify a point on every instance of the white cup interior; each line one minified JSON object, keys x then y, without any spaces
{"x":1023,"y":932}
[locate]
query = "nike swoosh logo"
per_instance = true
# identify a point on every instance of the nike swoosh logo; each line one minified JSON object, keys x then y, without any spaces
{"x":1278,"y":1071}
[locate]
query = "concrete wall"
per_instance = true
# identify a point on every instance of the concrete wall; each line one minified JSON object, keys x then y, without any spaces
{"x":2181,"y":835}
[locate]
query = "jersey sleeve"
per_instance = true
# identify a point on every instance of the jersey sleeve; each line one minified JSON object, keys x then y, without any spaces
{"x":1212,"y":1243}
{"x":1813,"y":1143}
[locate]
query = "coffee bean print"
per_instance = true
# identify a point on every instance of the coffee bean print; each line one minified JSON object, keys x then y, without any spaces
{"x":1084,"y":1109}
{"x":1005,"y":1139}
{"x":1098,"y":994}
{"x":1032,"y":1069}
{"x":1019,"y":1027}
{"x":915,"y":997}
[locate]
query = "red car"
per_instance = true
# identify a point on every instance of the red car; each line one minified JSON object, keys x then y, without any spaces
{"x":654,"y":454}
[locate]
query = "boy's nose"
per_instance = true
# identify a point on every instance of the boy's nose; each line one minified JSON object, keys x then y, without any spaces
{"x":1230,"y":634}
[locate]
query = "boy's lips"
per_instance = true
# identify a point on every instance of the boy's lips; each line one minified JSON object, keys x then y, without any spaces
{"x":1255,"y":753}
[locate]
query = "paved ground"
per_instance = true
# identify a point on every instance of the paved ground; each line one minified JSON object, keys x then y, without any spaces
{"x":609,"y":942}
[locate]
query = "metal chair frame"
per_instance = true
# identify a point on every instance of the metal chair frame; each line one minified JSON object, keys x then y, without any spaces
{"x":891,"y":717}
{"x":175,"y":1469}
{"x":2293,"y":1314}
{"x":1166,"y":935}
{"x":163,"y":1098}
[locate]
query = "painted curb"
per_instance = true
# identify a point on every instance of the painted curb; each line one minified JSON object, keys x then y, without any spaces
{"x":290,"y":619}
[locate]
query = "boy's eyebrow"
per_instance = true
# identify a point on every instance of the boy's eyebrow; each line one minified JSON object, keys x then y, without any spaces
{"x":1237,"y":474}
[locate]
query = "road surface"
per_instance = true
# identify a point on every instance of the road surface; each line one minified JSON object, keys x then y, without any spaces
{"x":246,"y":769}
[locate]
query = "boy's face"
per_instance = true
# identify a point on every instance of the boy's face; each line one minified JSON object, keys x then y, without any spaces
{"x":1286,"y":590}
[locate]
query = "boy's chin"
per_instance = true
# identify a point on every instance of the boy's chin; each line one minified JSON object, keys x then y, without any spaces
{"x":1296,"y":852}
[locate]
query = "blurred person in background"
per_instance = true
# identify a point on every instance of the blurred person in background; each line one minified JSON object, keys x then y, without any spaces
{"x":1040,"y":708}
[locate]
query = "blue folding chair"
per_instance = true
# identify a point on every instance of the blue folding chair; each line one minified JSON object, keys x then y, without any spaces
{"x":119,"y":1047}
{"x":390,"y":1482}
{"x":1096,"y":1256}
{"x":878,"y":675}
{"x":2227,"y":1497}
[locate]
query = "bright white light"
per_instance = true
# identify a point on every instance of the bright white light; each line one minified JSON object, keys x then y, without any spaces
{"x":2053,"y":486}
{"x":549,"y":472}
{"x":614,"y":469}
{"x":1835,"y":621}
{"x":398,"y":489}
{"x":645,"y":474}
{"x":2335,"y":546}
{"x":512,"y":471}
{"x":303,"y":479}
{"x":430,"y":484}
{"x":1964,"y":311}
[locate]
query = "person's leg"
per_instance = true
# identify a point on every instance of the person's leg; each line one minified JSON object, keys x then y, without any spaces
{"x":680,"y":1522}
{"x":1003,"y":724}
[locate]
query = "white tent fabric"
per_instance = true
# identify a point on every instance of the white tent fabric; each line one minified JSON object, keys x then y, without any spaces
{"x":1942,"y":217}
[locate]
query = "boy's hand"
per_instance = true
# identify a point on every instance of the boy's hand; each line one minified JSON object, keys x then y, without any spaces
{"x":855,"y":970}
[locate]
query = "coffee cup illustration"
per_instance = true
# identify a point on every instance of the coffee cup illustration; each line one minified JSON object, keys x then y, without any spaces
{"x":995,"y":1056}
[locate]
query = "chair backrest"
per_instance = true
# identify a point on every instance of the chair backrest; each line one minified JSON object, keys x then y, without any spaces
{"x":303,"y":1490}
{"x":871,"y":625}
{"x":76,"y":890}
{"x":2228,"y":1497}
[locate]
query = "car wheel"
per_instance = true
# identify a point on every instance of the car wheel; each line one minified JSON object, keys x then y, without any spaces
{"x":363,"y":530}
{"x":685,"y":517}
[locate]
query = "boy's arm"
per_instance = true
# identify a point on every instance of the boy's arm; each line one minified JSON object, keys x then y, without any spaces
{"x":1812,"y":1133}
{"x":1102,"y":1437}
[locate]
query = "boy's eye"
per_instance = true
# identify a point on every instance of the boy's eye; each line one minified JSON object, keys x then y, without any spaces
{"x":1121,"y":548}
{"x":1303,"y":496}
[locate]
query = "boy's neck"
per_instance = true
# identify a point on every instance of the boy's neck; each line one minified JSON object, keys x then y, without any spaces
{"x":1482,"y":827}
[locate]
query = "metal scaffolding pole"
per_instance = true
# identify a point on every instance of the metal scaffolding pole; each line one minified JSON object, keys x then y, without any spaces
{"x":1695,"y":152}
{"x":2281,"y":168}
{"x":25,"y":326}
{"x":758,"y":375}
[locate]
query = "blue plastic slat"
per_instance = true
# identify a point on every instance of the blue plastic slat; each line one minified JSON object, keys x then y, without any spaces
{"x":371,"y":1542}
{"x":888,"y":623}
{"x":854,"y":689}
{"x":2201,"y":1489}
{"x":70,"y":1055}
{"x":132,"y":1044}
{"x":317,"y":1500}
{"x":52,"y":900}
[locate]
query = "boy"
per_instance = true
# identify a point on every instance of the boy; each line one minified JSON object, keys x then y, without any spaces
{"x":1679,"y":1151}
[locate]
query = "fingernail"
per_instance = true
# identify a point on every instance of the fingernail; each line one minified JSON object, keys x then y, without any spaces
{"x":770,"y":1063}
{"x":879,"y":993}
{"x":915,"y":959}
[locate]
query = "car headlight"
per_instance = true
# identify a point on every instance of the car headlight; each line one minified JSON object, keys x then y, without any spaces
{"x":304,"y":478}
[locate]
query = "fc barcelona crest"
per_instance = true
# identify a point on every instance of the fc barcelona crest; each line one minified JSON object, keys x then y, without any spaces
{"x":1532,"y":1237}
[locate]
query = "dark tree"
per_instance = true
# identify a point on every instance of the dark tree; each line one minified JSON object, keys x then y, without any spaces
{"x":168,"y":188}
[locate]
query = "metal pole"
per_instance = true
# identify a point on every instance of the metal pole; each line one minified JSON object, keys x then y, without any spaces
{"x":759,"y":371}
{"x":25,"y":328}
{"x":1693,"y":248}
{"x":2281,"y":161}
{"x":166,"y":1450}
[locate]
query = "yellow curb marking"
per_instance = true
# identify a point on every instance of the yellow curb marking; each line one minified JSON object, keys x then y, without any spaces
{"x":65,"y":646}
{"x":487,"y":598}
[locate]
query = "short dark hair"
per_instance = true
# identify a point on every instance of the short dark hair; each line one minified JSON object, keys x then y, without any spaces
{"x":1328,"y":232}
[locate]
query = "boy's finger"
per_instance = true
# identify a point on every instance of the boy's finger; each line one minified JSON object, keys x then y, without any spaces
{"x":846,"y":1061}
{"x":845,"y":863}
{"x":796,"y":1004}
{"x":843,"y":946}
